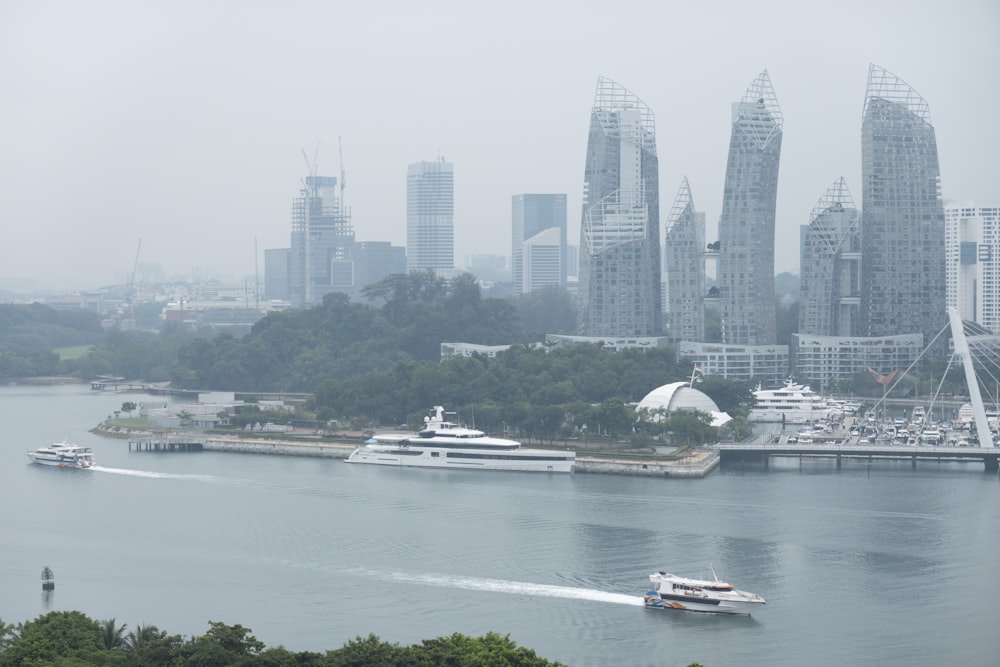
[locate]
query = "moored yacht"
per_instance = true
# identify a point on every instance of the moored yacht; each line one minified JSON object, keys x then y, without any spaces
{"x":443,"y":443}
{"x":672,"y":592}
{"x":791,"y":404}
{"x":63,"y":455}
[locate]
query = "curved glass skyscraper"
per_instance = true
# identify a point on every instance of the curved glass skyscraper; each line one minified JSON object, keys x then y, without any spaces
{"x":902,"y":215}
{"x":746,"y":226}
{"x":619,"y":288}
{"x":831,"y":257}
{"x":685,"y":257}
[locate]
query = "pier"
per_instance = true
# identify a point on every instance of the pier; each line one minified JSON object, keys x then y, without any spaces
{"x":730,"y":453}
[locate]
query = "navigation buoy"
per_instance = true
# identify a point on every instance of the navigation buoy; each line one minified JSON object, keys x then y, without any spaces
{"x":48,"y":580}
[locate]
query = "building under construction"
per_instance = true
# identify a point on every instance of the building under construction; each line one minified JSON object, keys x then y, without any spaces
{"x":322,"y":236}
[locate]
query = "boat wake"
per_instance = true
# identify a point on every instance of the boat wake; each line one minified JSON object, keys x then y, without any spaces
{"x":512,"y":587}
{"x":159,"y":475}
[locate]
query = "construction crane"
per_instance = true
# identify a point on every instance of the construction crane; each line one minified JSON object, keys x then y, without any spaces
{"x":129,"y":321}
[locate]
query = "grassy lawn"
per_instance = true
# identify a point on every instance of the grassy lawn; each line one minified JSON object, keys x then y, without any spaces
{"x":72,"y":352}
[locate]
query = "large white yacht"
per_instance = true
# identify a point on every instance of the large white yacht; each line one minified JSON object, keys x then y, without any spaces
{"x":718,"y":597}
{"x":791,"y":404}
{"x":446,"y":444}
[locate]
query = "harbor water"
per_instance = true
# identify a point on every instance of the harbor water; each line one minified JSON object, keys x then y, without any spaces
{"x":879,"y":565}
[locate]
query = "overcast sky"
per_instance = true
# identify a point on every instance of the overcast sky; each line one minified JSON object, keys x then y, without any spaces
{"x":183,"y":123}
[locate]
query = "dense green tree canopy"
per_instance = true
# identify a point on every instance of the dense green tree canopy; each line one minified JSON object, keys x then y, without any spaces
{"x":71,"y":639}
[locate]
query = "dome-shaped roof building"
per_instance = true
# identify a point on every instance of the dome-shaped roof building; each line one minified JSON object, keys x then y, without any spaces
{"x":682,"y":396}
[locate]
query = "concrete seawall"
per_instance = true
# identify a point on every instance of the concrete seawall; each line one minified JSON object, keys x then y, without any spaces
{"x":697,"y":464}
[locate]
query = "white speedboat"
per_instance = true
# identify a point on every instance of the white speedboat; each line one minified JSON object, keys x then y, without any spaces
{"x":672,"y":592}
{"x":447,"y":444}
{"x":791,"y":404}
{"x":63,"y":455}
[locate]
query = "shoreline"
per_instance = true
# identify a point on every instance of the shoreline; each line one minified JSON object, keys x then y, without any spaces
{"x":697,"y":464}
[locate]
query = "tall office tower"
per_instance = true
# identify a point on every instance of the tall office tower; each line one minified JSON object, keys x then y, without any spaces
{"x":902,"y":215}
{"x":972,"y":248}
{"x":685,"y":259}
{"x":544,"y":261}
{"x":321,"y":236}
{"x":831,"y":266}
{"x":746,"y":226}
{"x":530,"y":215}
{"x":430,"y":217}
{"x":619,"y":291}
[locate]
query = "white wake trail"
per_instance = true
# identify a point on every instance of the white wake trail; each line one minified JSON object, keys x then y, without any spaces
{"x":160,"y":475}
{"x":513,"y":587}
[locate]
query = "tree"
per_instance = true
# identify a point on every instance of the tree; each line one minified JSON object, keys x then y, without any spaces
{"x":129,"y":407}
{"x":112,"y":634}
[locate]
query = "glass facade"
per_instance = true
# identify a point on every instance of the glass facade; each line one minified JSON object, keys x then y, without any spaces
{"x":619,"y":282}
{"x":903,"y":281}
{"x":831,"y":266}
{"x":746,"y":225}
{"x":685,"y":260}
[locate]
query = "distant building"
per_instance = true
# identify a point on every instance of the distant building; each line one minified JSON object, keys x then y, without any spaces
{"x":829,"y":359}
{"x":903,"y":283}
{"x":972,"y":249}
{"x":430,"y":217}
{"x":831,"y":267}
{"x":619,"y":278}
{"x":321,"y":236}
{"x":759,"y":363}
{"x":679,"y":397}
{"x":542,"y":261}
{"x":684,"y":253}
{"x":276,"y":273}
{"x":609,"y":343}
{"x":746,"y":225}
{"x":532,"y":214}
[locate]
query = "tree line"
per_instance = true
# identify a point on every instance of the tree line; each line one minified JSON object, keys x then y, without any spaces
{"x":73,"y":639}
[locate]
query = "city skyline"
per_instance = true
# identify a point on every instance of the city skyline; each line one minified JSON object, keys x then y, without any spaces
{"x":186,"y":127}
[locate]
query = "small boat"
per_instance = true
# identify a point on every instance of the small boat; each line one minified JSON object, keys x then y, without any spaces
{"x":717,"y":597}
{"x":63,"y":455}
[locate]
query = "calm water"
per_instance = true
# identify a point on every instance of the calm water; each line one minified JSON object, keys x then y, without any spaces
{"x":894,"y":566}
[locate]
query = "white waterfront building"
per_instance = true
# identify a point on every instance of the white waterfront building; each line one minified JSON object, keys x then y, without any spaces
{"x":972,"y":262}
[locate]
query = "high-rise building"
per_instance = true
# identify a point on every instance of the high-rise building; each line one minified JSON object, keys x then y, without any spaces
{"x":902,"y":215}
{"x":831,"y":266}
{"x":321,"y":235}
{"x":619,"y":289}
{"x":685,"y":268}
{"x":276,"y":261}
{"x":746,"y":225}
{"x":430,"y":217}
{"x":543,"y":262}
{"x":530,"y":215}
{"x":972,"y":248}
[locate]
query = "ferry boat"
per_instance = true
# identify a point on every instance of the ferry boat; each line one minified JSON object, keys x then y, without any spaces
{"x":718,"y":597}
{"x":443,"y":443}
{"x":63,"y":455}
{"x":791,"y":404}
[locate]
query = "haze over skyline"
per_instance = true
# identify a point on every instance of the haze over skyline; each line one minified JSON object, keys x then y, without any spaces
{"x":184,"y":124}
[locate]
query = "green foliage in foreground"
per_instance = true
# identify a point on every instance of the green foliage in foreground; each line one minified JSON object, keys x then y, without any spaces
{"x":72,"y":639}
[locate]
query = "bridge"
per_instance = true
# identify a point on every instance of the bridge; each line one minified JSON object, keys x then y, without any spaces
{"x":761,"y":453}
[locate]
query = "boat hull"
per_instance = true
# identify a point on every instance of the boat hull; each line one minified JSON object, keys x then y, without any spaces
{"x":682,"y":603}
{"x":451,"y":460}
{"x":79,"y":465}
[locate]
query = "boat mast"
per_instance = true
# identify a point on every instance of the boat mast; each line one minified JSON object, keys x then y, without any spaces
{"x":962,"y":350}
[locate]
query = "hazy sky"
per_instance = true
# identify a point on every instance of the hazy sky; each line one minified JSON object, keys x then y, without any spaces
{"x":183,"y":123}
